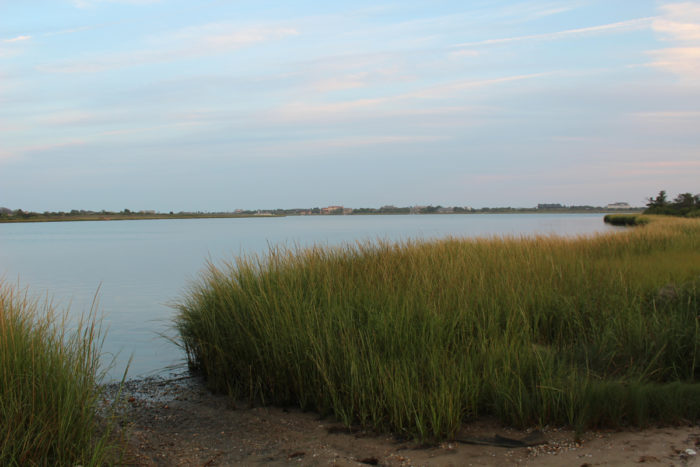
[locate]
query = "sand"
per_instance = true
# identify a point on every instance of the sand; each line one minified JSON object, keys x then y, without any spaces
{"x":175,"y":421}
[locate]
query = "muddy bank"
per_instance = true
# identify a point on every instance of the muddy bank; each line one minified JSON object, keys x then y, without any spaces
{"x":175,"y":421}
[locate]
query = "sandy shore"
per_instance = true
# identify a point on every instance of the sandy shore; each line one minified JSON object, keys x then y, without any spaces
{"x":177,"y":422}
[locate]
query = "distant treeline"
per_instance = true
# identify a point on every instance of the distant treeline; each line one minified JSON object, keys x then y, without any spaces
{"x":685,"y":204}
{"x":18,"y":215}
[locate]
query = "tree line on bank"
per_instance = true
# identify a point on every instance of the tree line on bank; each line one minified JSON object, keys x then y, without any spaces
{"x":685,"y":204}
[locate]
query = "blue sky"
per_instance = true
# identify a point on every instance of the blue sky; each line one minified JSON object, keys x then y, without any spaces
{"x":218,"y":105}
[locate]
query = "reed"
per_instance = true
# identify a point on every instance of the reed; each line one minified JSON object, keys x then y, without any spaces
{"x":48,"y":386}
{"x":626,"y":219}
{"x":419,"y":337}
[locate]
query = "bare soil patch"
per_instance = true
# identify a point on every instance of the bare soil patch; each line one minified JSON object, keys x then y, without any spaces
{"x":177,"y":422}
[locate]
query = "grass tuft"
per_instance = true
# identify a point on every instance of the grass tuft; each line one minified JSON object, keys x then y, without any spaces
{"x":48,"y":386}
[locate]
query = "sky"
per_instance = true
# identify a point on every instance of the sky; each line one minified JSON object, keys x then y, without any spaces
{"x":218,"y":105}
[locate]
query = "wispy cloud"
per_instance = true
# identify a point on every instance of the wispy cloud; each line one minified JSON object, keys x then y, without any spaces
{"x":529,"y":11}
{"x":92,"y":3}
{"x":185,"y":44}
{"x":671,"y":114}
{"x":30,"y":149}
{"x":69,"y":31}
{"x":17,"y":39}
{"x":11,"y":45}
{"x":450,"y":89}
{"x":679,"y":24}
{"x":330,"y":146}
{"x":621,"y":26}
{"x":352,"y":81}
{"x":658,"y":168}
{"x":304,"y":110}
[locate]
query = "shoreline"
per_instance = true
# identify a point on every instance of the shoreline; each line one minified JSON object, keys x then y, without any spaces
{"x":118,"y":217}
{"x":177,"y":421}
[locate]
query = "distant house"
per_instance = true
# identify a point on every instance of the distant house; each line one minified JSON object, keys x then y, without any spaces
{"x":332,"y":210}
{"x":618,"y":206}
{"x":446,"y":210}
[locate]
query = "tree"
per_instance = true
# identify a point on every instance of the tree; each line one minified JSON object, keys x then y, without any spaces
{"x":685,"y":204}
{"x":684,"y":200}
{"x":659,"y":202}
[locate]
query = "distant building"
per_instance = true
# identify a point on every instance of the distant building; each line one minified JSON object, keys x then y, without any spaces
{"x":332,"y":210}
{"x":618,"y":206}
{"x":446,"y":210}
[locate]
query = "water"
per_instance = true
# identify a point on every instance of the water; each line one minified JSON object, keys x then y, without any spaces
{"x":140,"y":267}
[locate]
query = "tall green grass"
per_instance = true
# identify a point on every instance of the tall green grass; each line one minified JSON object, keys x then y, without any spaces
{"x":48,"y":386}
{"x":626,"y":219}
{"x":419,"y":337}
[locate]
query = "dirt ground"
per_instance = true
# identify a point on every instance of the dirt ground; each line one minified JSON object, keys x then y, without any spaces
{"x":175,"y":421}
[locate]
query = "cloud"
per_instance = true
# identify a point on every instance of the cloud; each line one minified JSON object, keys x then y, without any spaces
{"x":329,"y":146}
{"x":92,"y":3}
{"x":186,"y":44}
{"x":679,"y":21}
{"x":226,"y":36}
{"x":371,"y":107}
{"x":465,"y":53}
{"x":665,"y":115}
{"x":621,"y":26}
{"x":679,"y":24}
{"x":451,"y":89}
{"x":6,"y":155}
{"x":15,"y":152}
{"x":658,"y":168}
{"x":11,"y":49}
{"x":70,"y":30}
{"x":675,"y":30}
{"x":17,"y":39}
{"x":352,"y":81}
{"x":531,"y":11}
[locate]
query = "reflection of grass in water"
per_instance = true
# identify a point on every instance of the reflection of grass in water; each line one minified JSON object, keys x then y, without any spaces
{"x":418,"y":337}
{"x":48,"y":386}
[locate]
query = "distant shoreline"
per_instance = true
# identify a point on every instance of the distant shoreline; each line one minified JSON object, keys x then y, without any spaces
{"x":121,"y":217}
{"x":138,"y":217}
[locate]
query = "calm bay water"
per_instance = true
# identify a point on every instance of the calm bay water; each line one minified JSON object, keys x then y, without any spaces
{"x":140,"y":267}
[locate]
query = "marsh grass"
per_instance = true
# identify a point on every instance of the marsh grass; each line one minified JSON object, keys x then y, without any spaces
{"x":419,"y":337}
{"x":49,"y":386}
{"x":626,"y":219}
